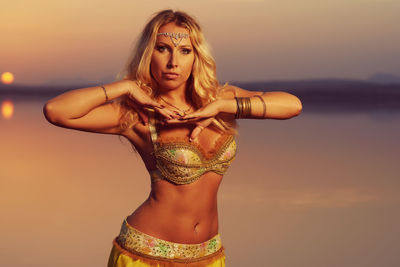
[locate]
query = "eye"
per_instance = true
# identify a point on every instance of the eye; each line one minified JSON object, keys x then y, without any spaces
{"x":161,"y":48}
{"x":186,"y":51}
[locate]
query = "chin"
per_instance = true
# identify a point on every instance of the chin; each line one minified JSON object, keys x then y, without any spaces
{"x":171,"y":84}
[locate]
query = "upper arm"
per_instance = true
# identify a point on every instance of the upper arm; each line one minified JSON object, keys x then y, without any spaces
{"x":102,"y":119}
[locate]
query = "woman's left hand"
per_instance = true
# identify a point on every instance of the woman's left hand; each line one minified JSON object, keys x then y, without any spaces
{"x":201,"y":118}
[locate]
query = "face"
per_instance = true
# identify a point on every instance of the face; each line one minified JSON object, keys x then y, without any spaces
{"x":172,"y":59}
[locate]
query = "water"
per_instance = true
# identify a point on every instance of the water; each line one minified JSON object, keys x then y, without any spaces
{"x":315,"y":190}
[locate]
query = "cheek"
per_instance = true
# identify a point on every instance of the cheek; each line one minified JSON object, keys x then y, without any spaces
{"x":189,"y":65}
{"x":154,"y":66}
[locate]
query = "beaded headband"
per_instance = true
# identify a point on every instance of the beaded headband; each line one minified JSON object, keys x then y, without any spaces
{"x":176,"y":37}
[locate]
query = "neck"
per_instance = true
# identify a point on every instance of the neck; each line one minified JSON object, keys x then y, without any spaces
{"x":178,"y":97}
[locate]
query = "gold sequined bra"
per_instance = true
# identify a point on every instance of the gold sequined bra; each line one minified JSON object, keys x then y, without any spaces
{"x":182,"y":162}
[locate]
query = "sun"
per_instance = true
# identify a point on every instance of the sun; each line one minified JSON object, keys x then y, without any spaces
{"x":7,"y":77}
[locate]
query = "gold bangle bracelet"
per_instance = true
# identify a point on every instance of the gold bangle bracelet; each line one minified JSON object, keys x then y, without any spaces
{"x":248,"y":111}
{"x":264,"y":105}
{"x":243,"y":111}
{"x":243,"y":107}
{"x":239,"y":108}
{"x":105,"y":92}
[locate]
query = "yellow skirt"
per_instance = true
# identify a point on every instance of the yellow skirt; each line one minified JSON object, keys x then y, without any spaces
{"x":132,"y":248}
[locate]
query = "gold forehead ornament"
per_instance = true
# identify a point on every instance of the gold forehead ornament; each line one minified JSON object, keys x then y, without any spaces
{"x":176,"y":37}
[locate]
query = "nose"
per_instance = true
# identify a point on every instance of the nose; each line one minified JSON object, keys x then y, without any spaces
{"x":173,"y":61}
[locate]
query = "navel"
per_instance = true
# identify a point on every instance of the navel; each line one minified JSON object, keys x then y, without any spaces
{"x":196,"y":227}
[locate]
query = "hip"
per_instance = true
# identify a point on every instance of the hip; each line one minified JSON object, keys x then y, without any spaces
{"x":134,"y":246}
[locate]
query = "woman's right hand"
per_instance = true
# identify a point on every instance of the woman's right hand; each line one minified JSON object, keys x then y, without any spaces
{"x":140,"y":101}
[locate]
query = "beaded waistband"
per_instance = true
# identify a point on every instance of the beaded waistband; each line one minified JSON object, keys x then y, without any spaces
{"x":135,"y":241}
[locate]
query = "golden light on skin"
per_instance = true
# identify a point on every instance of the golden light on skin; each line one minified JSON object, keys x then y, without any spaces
{"x":7,"y":77}
{"x":7,"y":109}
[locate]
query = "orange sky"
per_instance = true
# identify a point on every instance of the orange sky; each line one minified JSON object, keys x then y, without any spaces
{"x":88,"y":41}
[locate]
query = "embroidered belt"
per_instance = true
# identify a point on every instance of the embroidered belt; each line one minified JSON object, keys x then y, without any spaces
{"x":135,"y":241}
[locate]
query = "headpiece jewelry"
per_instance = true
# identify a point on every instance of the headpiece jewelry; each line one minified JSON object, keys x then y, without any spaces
{"x":176,"y":37}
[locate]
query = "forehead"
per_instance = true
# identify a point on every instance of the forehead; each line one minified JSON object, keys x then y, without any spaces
{"x":173,"y":28}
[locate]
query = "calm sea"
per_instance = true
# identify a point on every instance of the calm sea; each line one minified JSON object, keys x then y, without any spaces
{"x":320,"y":189}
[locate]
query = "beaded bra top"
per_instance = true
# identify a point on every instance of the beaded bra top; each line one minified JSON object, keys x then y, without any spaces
{"x":181,"y":162}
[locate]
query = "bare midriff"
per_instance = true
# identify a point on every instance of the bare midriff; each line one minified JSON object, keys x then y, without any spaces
{"x":184,"y":214}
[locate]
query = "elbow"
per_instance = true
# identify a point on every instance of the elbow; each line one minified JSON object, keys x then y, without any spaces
{"x":294,"y":106}
{"x":298,"y":106}
{"x":49,"y":113}
{"x":284,"y":105}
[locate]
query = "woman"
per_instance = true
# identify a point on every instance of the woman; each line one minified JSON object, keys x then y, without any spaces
{"x":182,"y":123}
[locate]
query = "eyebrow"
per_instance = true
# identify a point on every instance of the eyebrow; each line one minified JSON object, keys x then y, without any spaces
{"x":187,"y":45}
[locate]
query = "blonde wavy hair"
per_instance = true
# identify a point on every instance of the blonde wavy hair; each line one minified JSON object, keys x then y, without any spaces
{"x":203,"y":85}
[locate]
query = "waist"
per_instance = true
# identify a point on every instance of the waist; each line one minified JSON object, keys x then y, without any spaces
{"x":182,"y":226}
{"x":137,"y":242}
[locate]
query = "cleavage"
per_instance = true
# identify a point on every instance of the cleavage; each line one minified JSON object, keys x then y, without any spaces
{"x":206,"y":141}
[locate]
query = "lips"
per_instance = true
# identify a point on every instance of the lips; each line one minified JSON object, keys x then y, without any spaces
{"x":171,"y":75}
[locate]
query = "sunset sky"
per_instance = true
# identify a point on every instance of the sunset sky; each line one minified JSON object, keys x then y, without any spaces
{"x":58,"y":42}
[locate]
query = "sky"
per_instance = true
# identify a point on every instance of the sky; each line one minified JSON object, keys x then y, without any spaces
{"x":66,"y":42}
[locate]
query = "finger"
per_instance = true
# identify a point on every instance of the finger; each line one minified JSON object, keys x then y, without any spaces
{"x":150,"y":103}
{"x":196,"y":132}
{"x":191,"y":115}
{"x":176,"y":121}
{"x":198,"y":115}
{"x":174,"y":114}
{"x":181,"y":120}
{"x":143,"y":117}
{"x":167,"y":113}
{"x":157,"y":105}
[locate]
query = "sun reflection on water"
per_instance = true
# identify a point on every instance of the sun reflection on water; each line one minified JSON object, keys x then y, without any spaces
{"x":7,"y":109}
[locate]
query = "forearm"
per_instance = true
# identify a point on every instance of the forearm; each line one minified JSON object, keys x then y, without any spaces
{"x":78,"y":102}
{"x":256,"y":112}
{"x":273,"y":105}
